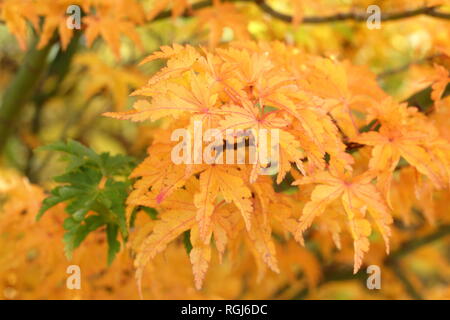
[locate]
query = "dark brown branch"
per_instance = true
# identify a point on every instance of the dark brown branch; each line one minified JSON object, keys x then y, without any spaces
{"x":59,"y":69}
{"x":348,"y":16}
{"x":393,"y":260}
{"x":356,"y":16}
{"x":407,"y":285}
{"x":437,"y":14}
{"x":414,"y":244}
{"x":422,"y":99}
{"x":406,"y":66}
{"x":340,"y":272}
{"x":21,"y":89}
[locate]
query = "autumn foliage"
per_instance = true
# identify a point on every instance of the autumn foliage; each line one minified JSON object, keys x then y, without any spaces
{"x":363,"y":173}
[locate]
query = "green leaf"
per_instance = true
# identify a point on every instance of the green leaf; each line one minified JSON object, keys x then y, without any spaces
{"x":113,"y":245}
{"x":77,"y":232}
{"x":89,"y":204}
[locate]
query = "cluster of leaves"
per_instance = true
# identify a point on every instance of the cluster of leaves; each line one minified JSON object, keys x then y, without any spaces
{"x":319,"y":107}
{"x":352,"y":158}
{"x":33,"y":264}
{"x":32,"y":270}
{"x":95,"y":187}
{"x":107,"y":19}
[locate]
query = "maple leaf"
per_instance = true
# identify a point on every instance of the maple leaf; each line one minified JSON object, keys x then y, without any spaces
{"x":179,"y":60}
{"x":260,"y":235}
{"x":167,"y":52}
{"x":160,"y":175}
{"x":272,"y":87}
{"x":413,"y":145}
{"x":222,"y":229}
{"x":316,"y":106}
{"x":253,"y":118}
{"x":170,"y":225}
{"x":178,"y":8}
{"x":110,"y":28}
{"x":217,"y":179}
{"x":198,"y":99}
{"x":16,"y":14}
{"x":220,"y":16}
{"x":439,"y":83}
{"x":54,"y":20}
{"x":101,"y":77}
{"x":90,"y":185}
{"x":358,"y":196}
{"x":200,"y":257}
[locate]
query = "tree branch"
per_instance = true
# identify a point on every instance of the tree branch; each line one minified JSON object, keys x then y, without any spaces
{"x":348,"y":16}
{"x":355,"y":16}
{"x":21,"y":89}
{"x":406,"y":66}
{"x":393,"y":260}
{"x":340,"y":272}
{"x":58,"y":68}
{"x":414,"y":244}
{"x":422,"y":99}
{"x":361,"y":16}
{"x":407,"y":285}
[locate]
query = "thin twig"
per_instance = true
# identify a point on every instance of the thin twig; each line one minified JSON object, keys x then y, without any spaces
{"x":393,"y":260}
{"x":401,"y":276}
{"x":339,"y":272}
{"x":414,"y":244}
{"x":356,"y":16}
{"x":406,"y":66}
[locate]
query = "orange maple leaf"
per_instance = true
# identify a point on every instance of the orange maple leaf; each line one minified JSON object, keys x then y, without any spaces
{"x":358,"y":197}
